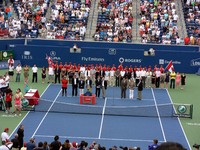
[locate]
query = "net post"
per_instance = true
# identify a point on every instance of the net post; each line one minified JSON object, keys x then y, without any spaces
{"x":191,"y":111}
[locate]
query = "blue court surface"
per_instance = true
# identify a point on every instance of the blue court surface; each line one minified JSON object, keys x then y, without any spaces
{"x":113,"y":121}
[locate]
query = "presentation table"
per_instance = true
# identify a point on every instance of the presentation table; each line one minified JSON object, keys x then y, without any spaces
{"x":32,"y":96}
{"x":88,"y":99}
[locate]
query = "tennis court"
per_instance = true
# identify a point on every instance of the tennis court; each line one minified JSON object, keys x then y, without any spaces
{"x":112,"y":121}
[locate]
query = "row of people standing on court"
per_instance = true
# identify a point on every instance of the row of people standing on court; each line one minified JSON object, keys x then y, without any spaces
{"x":81,"y":84}
{"x":150,"y":77}
{"x":18,"y":70}
{"x":78,"y":83}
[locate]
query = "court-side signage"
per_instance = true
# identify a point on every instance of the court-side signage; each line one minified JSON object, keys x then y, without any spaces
{"x":34,"y":54}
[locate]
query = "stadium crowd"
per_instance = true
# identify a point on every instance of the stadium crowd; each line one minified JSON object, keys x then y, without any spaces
{"x":158,"y":22}
{"x":67,"y":19}
{"x":191,"y":11}
{"x":115,"y":21}
{"x":17,"y":143}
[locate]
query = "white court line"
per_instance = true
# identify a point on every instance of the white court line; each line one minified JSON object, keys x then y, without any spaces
{"x":102,"y":118}
{"x":111,"y":98}
{"x":158,"y":115}
{"x":95,"y":138}
{"x":27,"y":114}
{"x":179,"y":121}
{"x":46,"y":113}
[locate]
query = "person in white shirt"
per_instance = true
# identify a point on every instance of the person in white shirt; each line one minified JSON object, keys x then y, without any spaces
{"x":158,"y":73}
{"x":143,"y":76}
{"x":50,"y":74}
{"x":11,"y":61}
{"x":178,"y":40}
{"x":87,"y":73}
{"x":122,"y":73}
{"x":7,"y":79}
{"x":112,"y":77}
{"x":92,"y":74}
{"x":11,"y":71}
{"x":5,"y":136}
{"x":6,"y":143}
{"x":103,"y":87}
{"x":4,"y":146}
{"x":34,"y":69}
{"x":138,"y":76}
{"x":107,"y":76}
{"x":18,"y":72}
{"x":148,"y":78}
{"x":82,"y":71}
{"x":2,"y":83}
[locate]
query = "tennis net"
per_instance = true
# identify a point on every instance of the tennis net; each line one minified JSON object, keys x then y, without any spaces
{"x":107,"y":108}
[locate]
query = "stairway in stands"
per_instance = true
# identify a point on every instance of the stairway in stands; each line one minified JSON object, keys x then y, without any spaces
{"x":92,"y":21}
{"x":182,"y":32}
{"x":136,"y":18}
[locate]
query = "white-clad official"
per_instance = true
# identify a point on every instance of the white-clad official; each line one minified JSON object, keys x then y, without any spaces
{"x":35,"y":70}
{"x":18,"y":72}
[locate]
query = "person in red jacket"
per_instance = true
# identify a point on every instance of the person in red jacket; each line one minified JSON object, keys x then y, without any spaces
{"x":64,"y":86}
{"x":8,"y":100}
{"x":187,"y":40}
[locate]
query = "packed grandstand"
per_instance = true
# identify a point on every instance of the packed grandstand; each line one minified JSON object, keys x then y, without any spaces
{"x":145,"y":21}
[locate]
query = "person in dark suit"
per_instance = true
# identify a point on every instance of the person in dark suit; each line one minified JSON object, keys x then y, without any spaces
{"x":81,"y":85}
{"x":74,"y":85}
{"x":89,"y":84}
{"x":103,"y":87}
{"x":20,"y":133}
{"x":124,"y":85}
{"x":98,"y":86}
{"x":57,"y":72}
{"x":140,"y":88}
{"x":102,"y":73}
{"x":97,"y":73}
{"x":127,"y":74}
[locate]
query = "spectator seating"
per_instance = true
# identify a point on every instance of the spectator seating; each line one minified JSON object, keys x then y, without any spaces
{"x":114,"y":23}
{"x":158,"y":22}
{"x":31,"y":14}
{"x":68,"y":20}
{"x":192,"y":19}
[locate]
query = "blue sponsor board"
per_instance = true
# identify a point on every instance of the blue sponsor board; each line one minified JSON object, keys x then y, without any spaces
{"x":184,"y":61}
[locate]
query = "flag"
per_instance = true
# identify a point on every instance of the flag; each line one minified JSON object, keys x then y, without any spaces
{"x":170,"y":66}
{"x":50,"y":61}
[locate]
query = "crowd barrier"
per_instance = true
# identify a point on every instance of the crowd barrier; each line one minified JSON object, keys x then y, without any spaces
{"x":33,"y":51}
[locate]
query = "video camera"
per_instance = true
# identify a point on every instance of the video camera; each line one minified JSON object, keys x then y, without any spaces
{"x":196,"y":146}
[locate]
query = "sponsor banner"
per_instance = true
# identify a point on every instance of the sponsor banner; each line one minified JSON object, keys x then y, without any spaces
{"x":32,"y":54}
{"x":195,"y":62}
{"x":5,"y":55}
